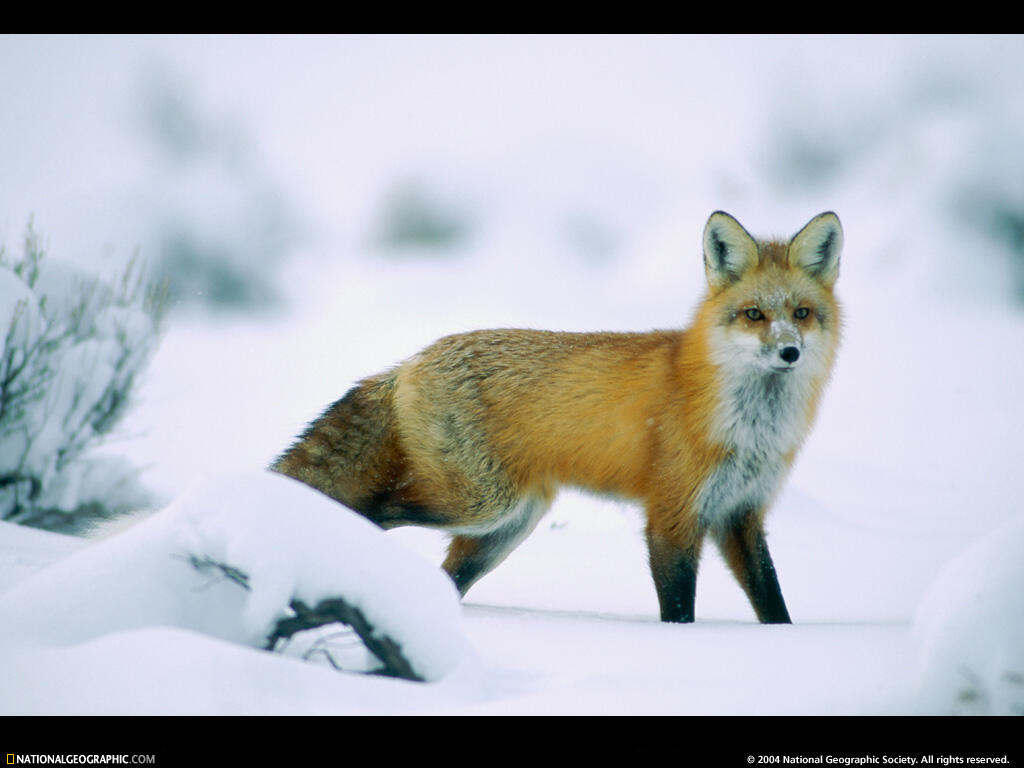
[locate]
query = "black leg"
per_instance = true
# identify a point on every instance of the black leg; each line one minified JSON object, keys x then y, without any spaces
{"x":746,"y":551}
{"x":674,"y":570}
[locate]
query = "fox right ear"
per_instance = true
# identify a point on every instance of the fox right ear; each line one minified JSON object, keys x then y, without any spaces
{"x":729,"y":250}
{"x":817,"y":246}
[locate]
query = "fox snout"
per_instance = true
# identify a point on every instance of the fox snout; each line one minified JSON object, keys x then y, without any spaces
{"x":783,"y":346}
{"x":789,"y":354}
{"x":783,"y":357}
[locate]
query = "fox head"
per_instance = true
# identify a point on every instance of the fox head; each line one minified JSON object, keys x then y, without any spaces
{"x":771,"y":303}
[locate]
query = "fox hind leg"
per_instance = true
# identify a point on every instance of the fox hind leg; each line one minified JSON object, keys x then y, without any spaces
{"x":471,"y":555}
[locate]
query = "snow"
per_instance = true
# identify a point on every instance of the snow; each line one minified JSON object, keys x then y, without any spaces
{"x":131,"y":588}
{"x":896,"y":539}
{"x":970,"y":628}
{"x":26,"y":550}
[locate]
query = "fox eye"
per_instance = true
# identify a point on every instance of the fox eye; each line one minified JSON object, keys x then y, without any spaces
{"x":801,"y":313}
{"x":754,"y":313}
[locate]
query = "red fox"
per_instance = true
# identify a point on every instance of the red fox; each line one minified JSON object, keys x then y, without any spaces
{"x":475,"y":434}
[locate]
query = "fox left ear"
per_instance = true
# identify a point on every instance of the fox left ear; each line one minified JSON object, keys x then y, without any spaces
{"x":815,"y":248}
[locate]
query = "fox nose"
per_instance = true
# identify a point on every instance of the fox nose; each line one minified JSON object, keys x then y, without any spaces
{"x":789,"y":354}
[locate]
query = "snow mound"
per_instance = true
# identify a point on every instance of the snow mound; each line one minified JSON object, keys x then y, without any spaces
{"x":24,"y":551}
{"x":291,"y":542}
{"x":970,"y":629}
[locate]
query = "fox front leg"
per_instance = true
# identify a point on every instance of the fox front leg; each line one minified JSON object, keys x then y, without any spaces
{"x":745,"y":549}
{"x":674,"y":568}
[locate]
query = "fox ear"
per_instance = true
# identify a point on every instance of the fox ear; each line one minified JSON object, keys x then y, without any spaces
{"x":815,"y":248}
{"x":729,"y":250}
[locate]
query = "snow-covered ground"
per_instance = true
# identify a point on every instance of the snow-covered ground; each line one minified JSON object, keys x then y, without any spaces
{"x":897,"y":538}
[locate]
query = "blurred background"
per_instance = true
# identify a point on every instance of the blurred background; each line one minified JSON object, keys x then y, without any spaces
{"x":309,"y":210}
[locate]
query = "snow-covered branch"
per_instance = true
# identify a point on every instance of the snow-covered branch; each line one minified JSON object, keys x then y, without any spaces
{"x":332,"y":610}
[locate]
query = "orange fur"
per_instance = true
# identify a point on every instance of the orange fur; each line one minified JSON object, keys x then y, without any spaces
{"x":476,"y":433}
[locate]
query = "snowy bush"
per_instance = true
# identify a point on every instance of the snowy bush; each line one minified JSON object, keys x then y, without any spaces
{"x":73,"y":349}
{"x":420,"y":217}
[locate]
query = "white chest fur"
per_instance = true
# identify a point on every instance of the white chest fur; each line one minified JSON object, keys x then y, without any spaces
{"x":761,"y":419}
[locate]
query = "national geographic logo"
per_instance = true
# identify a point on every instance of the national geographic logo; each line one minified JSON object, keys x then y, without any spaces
{"x":77,"y":759}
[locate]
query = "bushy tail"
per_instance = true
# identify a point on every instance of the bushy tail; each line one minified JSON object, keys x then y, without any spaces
{"x":351,"y":452}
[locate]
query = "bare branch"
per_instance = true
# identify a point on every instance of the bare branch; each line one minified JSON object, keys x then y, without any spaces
{"x":334,"y":610}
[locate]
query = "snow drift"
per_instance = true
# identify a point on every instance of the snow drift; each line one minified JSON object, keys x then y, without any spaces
{"x":141,"y":586}
{"x":970,"y":629}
